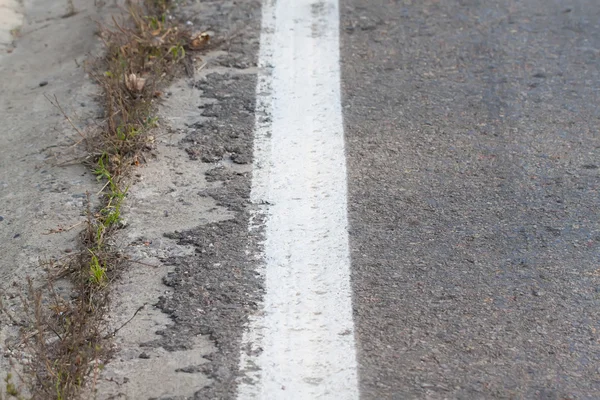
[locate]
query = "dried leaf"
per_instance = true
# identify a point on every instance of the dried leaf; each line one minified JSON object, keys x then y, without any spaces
{"x":199,"y":40}
{"x":134,"y":83}
{"x":157,"y":41}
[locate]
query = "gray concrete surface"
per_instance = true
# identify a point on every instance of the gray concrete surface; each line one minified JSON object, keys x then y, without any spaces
{"x":473,"y":153}
{"x":41,"y":189}
{"x":11,"y":19}
{"x":42,"y":183}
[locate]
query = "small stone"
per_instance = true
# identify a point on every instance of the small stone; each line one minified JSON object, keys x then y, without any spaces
{"x":1,"y":218}
{"x":43,"y":83}
{"x":192,"y":369}
{"x":540,"y":330}
{"x":18,"y":235}
{"x":68,"y":250}
{"x":144,"y":355}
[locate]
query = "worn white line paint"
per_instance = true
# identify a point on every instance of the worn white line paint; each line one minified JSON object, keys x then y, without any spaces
{"x":301,"y":346}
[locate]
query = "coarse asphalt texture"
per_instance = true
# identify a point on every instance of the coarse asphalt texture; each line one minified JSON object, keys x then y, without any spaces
{"x":473,"y":156}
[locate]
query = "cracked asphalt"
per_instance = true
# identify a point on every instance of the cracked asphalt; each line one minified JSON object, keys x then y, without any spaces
{"x":473,"y":155}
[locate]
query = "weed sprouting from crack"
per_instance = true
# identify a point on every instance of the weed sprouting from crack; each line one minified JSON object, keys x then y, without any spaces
{"x":67,"y":336}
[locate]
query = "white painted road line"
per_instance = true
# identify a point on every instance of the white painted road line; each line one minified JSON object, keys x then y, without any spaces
{"x":301,"y":346}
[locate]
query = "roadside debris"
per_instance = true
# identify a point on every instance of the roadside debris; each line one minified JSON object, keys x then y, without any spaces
{"x":64,"y":334}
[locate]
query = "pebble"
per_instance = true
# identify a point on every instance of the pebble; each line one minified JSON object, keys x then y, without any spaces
{"x":1,"y":218}
{"x":43,"y":83}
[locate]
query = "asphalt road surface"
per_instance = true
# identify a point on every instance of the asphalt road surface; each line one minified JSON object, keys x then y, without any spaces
{"x":473,"y":156}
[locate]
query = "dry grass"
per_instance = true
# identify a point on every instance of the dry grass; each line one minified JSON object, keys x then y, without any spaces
{"x":67,"y":337}
{"x":139,"y":57}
